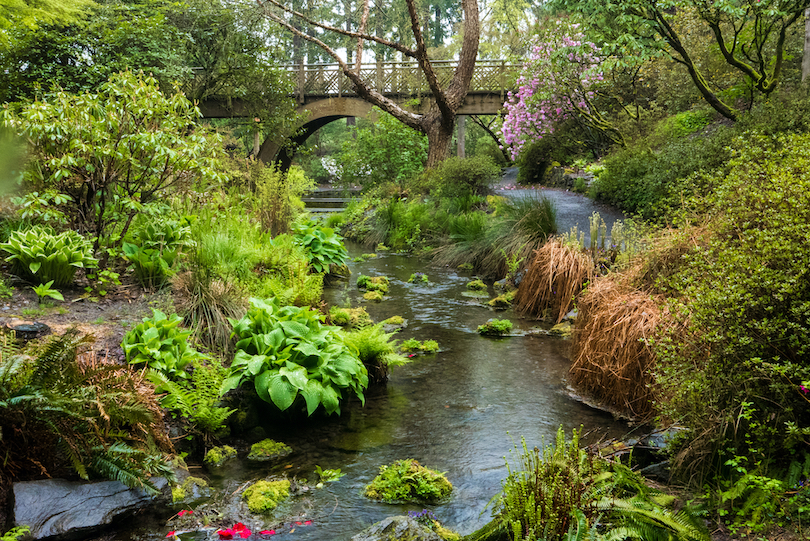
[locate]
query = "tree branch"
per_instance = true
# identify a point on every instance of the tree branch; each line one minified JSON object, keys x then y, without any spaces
{"x":363,"y":89}
{"x":392,"y":44}
{"x":424,"y":61}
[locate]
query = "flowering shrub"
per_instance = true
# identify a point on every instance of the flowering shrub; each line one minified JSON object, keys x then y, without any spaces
{"x":558,"y":81}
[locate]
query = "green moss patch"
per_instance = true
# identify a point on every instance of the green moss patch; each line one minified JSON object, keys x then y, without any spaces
{"x":477,"y":285}
{"x":191,"y":487}
{"x":412,"y":345}
{"x":395,"y":320}
{"x":217,"y":456}
{"x":495,"y":327}
{"x":268,"y":450}
{"x":373,"y":296}
{"x":263,"y":496}
{"x":408,"y":481}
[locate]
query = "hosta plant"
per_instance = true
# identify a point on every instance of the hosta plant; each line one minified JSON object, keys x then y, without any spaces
{"x":323,"y":246}
{"x":40,"y":255}
{"x":287,"y":351}
{"x":161,"y":344}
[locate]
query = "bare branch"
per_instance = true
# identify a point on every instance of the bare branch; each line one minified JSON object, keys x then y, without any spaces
{"x":362,"y":87}
{"x":424,"y":61}
{"x":392,"y":44}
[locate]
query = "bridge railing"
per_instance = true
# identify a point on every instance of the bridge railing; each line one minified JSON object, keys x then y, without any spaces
{"x":398,"y":78}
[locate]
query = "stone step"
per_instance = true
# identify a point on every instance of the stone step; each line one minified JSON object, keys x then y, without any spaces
{"x":323,"y":210}
{"x":326,"y":200}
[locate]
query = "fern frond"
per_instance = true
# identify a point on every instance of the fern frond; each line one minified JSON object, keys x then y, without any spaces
{"x":122,"y":463}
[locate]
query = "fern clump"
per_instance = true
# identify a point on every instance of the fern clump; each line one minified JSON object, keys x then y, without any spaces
{"x":197,"y":400}
{"x":376,"y":350}
{"x":53,"y":408}
{"x":564,"y":489}
{"x":263,"y":496}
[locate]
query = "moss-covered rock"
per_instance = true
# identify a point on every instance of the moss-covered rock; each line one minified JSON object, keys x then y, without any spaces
{"x":466,"y":267}
{"x":395,"y":320}
{"x":217,"y":456}
{"x":408,"y":481}
{"x":564,"y":329}
{"x":495,"y":327}
{"x":375,"y":283}
{"x":192,"y":488}
{"x":502,"y":302}
{"x":268,"y":450}
{"x":373,"y":296}
{"x":263,"y":496}
{"x":413,"y":345}
{"x":477,"y":285}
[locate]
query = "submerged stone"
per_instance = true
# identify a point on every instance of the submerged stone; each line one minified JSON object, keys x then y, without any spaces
{"x":400,"y":528}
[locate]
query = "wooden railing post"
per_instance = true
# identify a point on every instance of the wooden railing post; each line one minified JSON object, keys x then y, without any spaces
{"x":301,"y":80}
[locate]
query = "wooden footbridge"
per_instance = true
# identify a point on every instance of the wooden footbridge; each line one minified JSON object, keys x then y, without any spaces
{"x":324,"y":94}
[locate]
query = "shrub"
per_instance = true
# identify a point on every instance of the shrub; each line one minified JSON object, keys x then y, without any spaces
{"x":279,"y":195}
{"x":161,"y":344}
{"x":408,"y":481}
{"x":534,"y":161}
{"x":40,"y":255}
{"x":114,"y":155}
{"x":458,"y":177}
{"x":737,"y":354}
{"x":287,"y":351}
{"x":495,"y":327}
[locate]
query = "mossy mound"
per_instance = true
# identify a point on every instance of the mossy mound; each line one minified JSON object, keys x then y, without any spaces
{"x":373,"y":296}
{"x":564,"y":329}
{"x":191,"y":489}
{"x":419,"y":278}
{"x":339,"y":317}
{"x":375,"y":283}
{"x":495,"y":327}
{"x":502,"y":302}
{"x":217,"y":456}
{"x":395,"y":320}
{"x":268,"y":450}
{"x":477,"y":285}
{"x":413,"y":345}
{"x":408,"y":481}
{"x":263,"y":496}
{"x":466,"y":267}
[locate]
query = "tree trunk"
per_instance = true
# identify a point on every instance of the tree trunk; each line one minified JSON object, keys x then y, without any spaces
{"x":440,"y":134}
{"x":806,"y":56}
{"x":461,"y":133}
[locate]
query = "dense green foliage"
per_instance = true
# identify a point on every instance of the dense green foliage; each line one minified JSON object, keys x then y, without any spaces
{"x":734,"y":375}
{"x":408,"y":481}
{"x":322,"y":245}
{"x":286,"y":352}
{"x":385,"y":151}
{"x":41,"y":255}
{"x":458,"y":177}
{"x":154,"y":249}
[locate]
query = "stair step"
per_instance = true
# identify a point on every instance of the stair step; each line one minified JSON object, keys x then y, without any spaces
{"x":325,"y":200}
{"x":324,"y":210}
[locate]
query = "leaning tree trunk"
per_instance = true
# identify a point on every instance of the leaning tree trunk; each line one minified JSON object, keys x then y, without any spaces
{"x":439,"y":132}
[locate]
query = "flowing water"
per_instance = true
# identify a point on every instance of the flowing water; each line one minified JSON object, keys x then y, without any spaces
{"x":459,"y":411}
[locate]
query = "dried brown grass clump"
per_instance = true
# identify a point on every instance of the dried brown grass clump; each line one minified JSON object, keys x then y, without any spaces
{"x":553,"y":280}
{"x":612,"y":357}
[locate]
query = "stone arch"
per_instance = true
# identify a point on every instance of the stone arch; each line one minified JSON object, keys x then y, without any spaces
{"x":320,"y":113}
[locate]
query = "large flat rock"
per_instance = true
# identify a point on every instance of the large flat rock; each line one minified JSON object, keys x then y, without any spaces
{"x":70,"y":510}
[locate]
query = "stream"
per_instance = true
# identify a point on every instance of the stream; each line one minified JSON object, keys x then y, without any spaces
{"x":460,"y":411}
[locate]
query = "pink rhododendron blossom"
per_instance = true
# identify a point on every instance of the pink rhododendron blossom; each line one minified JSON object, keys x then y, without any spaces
{"x":170,"y":534}
{"x":556,"y":82}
